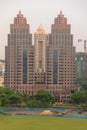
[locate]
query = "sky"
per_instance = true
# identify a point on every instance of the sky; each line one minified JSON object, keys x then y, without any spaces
{"x":43,"y":12}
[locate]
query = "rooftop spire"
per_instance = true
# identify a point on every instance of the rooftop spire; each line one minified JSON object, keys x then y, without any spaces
{"x":20,"y":19}
{"x":61,"y":12}
{"x":60,"y":19}
{"x":19,"y":12}
{"x":40,"y":30}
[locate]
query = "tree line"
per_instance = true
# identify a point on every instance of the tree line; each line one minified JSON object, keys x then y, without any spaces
{"x":9,"y":97}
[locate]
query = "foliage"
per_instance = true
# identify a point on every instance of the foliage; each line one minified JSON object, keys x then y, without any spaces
{"x":41,"y":99}
{"x":25,"y":97}
{"x":8,"y":96}
{"x":4,"y":96}
{"x":79,"y":97}
{"x":84,"y":107}
{"x":82,"y":84}
{"x":33,"y":103}
{"x":15,"y":99}
{"x":37,"y":104}
{"x":44,"y":95}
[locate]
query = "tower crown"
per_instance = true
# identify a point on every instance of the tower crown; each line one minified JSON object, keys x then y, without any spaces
{"x":20,"y":19}
{"x":40,"y":30}
{"x":60,"y":19}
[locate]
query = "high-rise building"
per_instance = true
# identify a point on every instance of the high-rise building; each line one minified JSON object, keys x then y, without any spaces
{"x":63,"y":57}
{"x":40,"y":41}
{"x":81,"y":66}
{"x":19,"y":56}
{"x":48,"y":64}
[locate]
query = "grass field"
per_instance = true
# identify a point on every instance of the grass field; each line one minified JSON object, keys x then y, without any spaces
{"x":41,"y":123}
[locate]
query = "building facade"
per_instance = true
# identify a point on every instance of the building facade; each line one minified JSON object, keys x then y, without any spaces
{"x":48,"y":64}
{"x":40,"y":41}
{"x":2,"y":69}
{"x":19,"y":55}
{"x":81,"y":66}
{"x":63,"y":54}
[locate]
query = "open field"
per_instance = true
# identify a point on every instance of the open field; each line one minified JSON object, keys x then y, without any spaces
{"x":41,"y":123}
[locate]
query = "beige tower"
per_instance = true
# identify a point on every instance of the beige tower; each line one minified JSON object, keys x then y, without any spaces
{"x":40,"y":38}
{"x":40,"y":50}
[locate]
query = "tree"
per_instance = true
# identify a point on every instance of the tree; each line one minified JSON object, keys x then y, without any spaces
{"x":44,"y":95}
{"x":41,"y":99}
{"x":8,"y":96}
{"x":79,"y":97}
{"x":4,"y":97}
{"x":9,"y":91}
{"x":15,"y":99}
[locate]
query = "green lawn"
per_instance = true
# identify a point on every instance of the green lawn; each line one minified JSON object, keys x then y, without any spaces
{"x":41,"y":123}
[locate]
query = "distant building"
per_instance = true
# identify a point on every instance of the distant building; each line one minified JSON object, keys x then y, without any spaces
{"x":81,"y":66}
{"x":48,"y":64}
{"x":2,"y":69}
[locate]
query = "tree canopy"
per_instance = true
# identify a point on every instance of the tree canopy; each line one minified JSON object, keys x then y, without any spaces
{"x":42,"y":99}
{"x":9,"y":96}
{"x":79,"y":97}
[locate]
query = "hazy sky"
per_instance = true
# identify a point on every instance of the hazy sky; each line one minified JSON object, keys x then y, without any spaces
{"x":43,"y":12}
